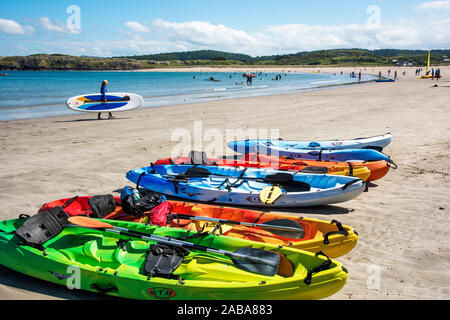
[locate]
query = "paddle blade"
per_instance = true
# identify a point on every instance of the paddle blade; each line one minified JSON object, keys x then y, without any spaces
{"x":299,"y":233}
{"x":270,"y":194}
{"x":269,"y":267}
{"x":89,"y":223}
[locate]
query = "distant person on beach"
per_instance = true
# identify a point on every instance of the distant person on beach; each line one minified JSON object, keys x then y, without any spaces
{"x":379,"y":75}
{"x":359,"y":76}
{"x":395,"y":74}
{"x":103,"y":92}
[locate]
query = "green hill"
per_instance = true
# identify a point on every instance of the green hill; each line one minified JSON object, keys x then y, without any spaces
{"x":335,"y":57}
{"x":194,"y":55}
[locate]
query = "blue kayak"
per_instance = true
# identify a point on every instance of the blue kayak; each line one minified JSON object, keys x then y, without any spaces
{"x":242,"y":186}
{"x":305,"y":154}
{"x":292,"y":150}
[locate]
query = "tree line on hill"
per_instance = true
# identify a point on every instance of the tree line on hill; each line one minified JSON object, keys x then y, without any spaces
{"x":335,"y":57}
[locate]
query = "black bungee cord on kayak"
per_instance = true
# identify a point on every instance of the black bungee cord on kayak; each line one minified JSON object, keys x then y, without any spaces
{"x":322,"y":267}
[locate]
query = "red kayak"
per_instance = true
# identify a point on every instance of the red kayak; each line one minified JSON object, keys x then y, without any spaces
{"x":378,"y":169}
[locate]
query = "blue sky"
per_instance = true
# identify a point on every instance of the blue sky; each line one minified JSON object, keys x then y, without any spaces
{"x":111,"y":28}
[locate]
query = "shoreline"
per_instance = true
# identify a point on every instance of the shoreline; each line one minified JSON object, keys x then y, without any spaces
{"x":189,"y":96}
{"x":318,"y":88}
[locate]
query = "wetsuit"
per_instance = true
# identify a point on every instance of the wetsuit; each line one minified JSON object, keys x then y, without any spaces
{"x":103,"y":92}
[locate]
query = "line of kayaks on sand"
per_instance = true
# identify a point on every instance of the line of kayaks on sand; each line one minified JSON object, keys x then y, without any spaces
{"x":172,"y":236}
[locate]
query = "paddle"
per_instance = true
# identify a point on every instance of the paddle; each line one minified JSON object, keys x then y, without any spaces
{"x":282,"y":227}
{"x":249,"y":259}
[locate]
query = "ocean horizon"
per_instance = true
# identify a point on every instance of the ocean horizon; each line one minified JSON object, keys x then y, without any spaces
{"x":37,"y":94}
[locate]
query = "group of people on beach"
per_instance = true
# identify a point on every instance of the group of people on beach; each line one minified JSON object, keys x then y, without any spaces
{"x":353,"y":75}
{"x":435,"y":73}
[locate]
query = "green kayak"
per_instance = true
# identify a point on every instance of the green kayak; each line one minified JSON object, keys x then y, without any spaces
{"x":117,"y":264}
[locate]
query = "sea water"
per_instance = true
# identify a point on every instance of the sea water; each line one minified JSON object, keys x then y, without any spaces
{"x":34,"y":94}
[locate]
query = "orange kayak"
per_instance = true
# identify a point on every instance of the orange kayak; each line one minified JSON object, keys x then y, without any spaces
{"x":367,"y":171}
{"x":332,"y":238}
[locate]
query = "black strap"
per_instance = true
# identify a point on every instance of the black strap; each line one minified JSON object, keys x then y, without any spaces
{"x":243,"y":172}
{"x":341,"y":231}
{"x":173,"y":216}
{"x":350,"y":166}
{"x":175,"y":184}
{"x":224,"y":181}
{"x":322,"y":267}
{"x":140,"y":176}
{"x":236,"y":184}
{"x":259,"y":217}
{"x":348,"y":184}
{"x":69,"y":202}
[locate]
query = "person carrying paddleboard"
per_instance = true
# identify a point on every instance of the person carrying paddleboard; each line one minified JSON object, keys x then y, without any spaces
{"x":103,"y":92}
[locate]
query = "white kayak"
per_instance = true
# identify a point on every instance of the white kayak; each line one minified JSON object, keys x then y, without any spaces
{"x":243,"y":186}
{"x":250,"y":146}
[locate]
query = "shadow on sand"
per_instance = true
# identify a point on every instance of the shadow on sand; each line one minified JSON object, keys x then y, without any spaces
{"x":93,"y":119}
{"x":20,"y":281}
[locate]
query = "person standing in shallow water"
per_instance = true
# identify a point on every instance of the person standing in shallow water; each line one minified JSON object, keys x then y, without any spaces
{"x":103,"y":92}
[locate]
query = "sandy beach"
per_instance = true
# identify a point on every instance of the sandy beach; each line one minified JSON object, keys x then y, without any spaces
{"x":403,"y":221}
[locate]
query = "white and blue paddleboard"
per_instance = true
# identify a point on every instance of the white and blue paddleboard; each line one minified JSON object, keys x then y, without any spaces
{"x":115,"y":102}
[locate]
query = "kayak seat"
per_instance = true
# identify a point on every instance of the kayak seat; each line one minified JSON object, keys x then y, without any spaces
{"x":288,"y":183}
{"x":102,"y":205}
{"x":42,"y":227}
{"x":199,"y":158}
{"x":318,"y":170}
{"x":194,"y":172}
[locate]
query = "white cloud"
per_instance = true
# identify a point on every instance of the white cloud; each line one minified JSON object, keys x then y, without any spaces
{"x":166,"y":36}
{"x":291,"y":38}
{"x":201,"y":33}
{"x":13,"y":27}
{"x":434,"y":5}
{"x":50,"y":26}
{"x":137,"y":27}
{"x":280,"y":39}
{"x":57,"y":26}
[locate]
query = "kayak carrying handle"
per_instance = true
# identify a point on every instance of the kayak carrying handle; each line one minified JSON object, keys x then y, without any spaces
{"x":392,"y":164}
{"x":107,"y":289}
{"x":340,"y":231}
{"x":348,"y":184}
